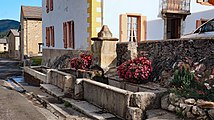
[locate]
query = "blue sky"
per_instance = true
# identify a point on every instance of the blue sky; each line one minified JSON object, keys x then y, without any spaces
{"x":10,"y":9}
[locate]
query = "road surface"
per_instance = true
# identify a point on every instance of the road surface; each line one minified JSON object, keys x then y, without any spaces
{"x":13,"y":105}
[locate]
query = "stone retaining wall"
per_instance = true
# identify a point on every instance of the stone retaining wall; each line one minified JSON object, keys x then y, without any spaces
{"x":165,"y":53}
{"x":59,"y":58}
{"x":189,"y":108}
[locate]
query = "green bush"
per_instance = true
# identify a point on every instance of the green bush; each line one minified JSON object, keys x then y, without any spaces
{"x":187,"y":84}
{"x":36,"y":61}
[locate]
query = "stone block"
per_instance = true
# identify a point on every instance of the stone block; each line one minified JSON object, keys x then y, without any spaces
{"x":211,"y":113}
{"x":78,"y":89}
{"x":134,"y":113}
{"x":142,"y":100}
{"x":112,"y":99}
{"x":131,"y":87}
{"x":165,"y":102}
{"x":114,"y":83}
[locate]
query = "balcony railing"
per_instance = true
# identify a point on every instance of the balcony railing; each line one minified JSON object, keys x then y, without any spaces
{"x":175,"y":6}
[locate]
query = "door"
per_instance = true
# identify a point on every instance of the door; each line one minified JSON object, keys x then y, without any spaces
{"x":173,"y":28}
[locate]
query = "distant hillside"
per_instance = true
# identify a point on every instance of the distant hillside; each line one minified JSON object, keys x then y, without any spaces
{"x":6,"y":25}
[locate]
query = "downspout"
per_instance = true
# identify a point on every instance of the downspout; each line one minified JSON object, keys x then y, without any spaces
{"x":102,"y":9}
{"x":26,"y":36}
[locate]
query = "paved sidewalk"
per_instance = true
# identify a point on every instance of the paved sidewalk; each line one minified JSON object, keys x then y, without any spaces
{"x":13,"y":106}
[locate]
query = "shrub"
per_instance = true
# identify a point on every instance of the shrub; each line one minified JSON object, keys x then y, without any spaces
{"x":82,"y":62}
{"x":36,"y":61}
{"x":136,"y":71}
{"x":193,"y":81}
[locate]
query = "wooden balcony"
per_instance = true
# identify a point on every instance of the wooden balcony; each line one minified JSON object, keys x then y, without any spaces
{"x":175,"y":7}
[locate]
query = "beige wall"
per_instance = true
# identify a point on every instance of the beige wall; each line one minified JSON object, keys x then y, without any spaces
{"x":31,"y":35}
{"x":2,"y":46}
{"x":13,"y":46}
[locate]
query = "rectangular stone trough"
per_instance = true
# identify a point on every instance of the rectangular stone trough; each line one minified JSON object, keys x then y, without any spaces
{"x":125,"y":100}
{"x":154,"y":88}
{"x":34,"y":77}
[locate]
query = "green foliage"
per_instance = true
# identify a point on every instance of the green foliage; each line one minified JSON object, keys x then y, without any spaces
{"x":183,"y":77}
{"x":67,"y":104}
{"x":36,"y":61}
{"x":187,"y":84}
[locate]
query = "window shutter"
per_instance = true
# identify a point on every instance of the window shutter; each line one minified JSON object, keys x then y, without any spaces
{"x":51,"y":5}
{"x":142,"y":28}
{"x":198,"y":23}
{"x":47,"y":6}
{"x":72,"y":35}
{"x":69,"y":34}
{"x":211,"y":2}
{"x":123,"y":28}
{"x":65,"y":34}
{"x":52,"y":37}
{"x":47,"y":37}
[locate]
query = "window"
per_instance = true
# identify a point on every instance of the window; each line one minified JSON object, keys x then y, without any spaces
{"x":40,"y":47}
{"x":68,"y":34}
{"x":208,"y":27}
{"x":132,"y":31}
{"x":5,"y":48}
{"x":132,"y":27}
{"x":49,"y":5}
{"x":5,"y":44}
{"x":50,"y":41}
{"x":200,"y":22}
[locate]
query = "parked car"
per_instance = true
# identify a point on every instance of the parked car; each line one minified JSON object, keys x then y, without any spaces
{"x":203,"y":31}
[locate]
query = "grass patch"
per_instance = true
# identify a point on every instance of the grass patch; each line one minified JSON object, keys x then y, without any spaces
{"x":36,"y":61}
{"x":67,"y":104}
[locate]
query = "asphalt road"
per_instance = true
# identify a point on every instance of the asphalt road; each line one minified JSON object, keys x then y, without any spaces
{"x":9,"y":67}
{"x":13,"y":105}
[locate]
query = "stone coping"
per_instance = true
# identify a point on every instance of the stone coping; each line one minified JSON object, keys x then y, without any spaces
{"x":104,"y":39}
{"x":112,"y":88}
{"x":170,"y":40}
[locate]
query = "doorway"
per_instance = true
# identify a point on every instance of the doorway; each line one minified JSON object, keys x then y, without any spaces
{"x":173,"y":28}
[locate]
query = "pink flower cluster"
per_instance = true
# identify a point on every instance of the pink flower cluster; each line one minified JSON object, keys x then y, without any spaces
{"x":84,"y":62}
{"x":135,"y":71}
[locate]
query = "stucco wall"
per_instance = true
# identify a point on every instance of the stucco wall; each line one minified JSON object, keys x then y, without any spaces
{"x":155,"y":26}
{"x":155,"y":29}
{"x":63,"y":11}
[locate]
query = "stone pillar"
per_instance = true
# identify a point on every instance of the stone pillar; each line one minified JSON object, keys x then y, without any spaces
{"x":132,"y":47}
{"x":104,"y":48}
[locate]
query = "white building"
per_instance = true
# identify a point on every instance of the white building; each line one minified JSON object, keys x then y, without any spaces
{"x":3,"y":45}
{"x":83,"y":19}
{"x":70,"y":24}
{"x":155,"y":29}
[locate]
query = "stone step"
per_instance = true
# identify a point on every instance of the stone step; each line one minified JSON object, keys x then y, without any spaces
{"x":53,"y":90}
{"x":82,"y":106}
{"x":159,"y":114}
{"x":90,"y":110}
